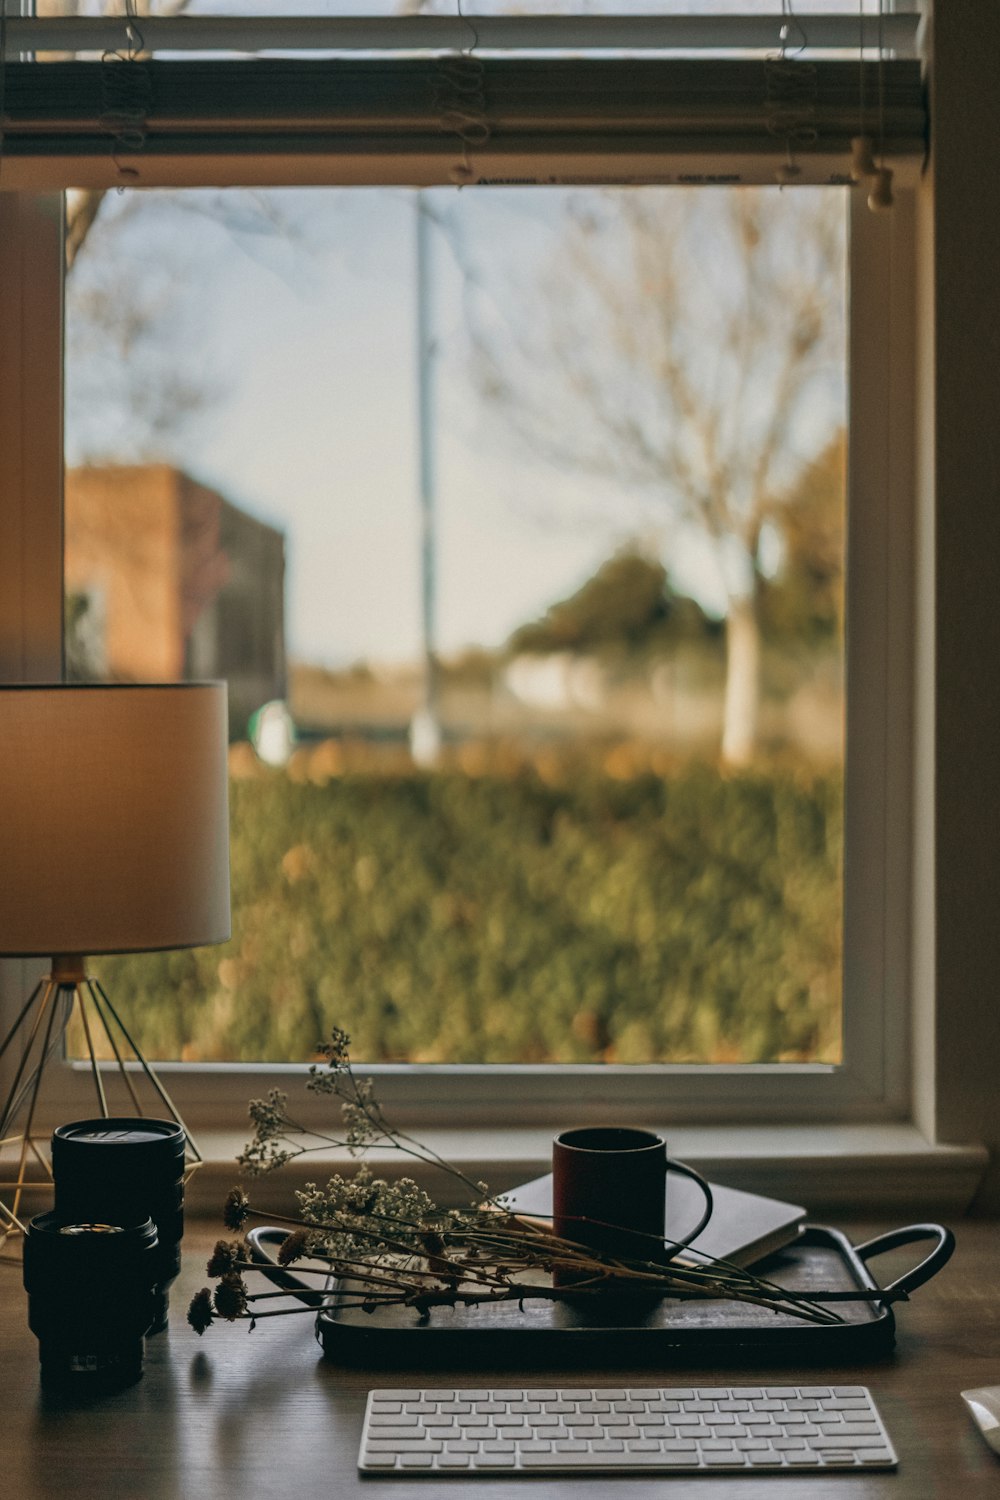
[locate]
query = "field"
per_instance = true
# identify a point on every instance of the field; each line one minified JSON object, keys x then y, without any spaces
{"x":602,"y":908}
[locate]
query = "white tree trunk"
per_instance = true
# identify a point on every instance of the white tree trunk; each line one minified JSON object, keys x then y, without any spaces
{"x":742,"y":696}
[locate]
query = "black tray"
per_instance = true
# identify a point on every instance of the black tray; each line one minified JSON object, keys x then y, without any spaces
{"x":629,"y":1332}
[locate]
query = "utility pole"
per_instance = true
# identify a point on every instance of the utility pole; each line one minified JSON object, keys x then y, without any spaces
{"x":425,"y":726}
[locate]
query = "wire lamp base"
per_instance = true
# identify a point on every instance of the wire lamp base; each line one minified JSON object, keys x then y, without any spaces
{"x":41,"y":1027}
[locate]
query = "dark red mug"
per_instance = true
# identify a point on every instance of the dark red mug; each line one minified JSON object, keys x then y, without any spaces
{"x":609,"y":1191}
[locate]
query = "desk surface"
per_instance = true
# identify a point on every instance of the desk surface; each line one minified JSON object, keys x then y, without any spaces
{"x":261,"y":1415}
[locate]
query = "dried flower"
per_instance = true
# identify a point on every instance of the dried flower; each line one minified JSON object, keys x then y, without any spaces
{"x":388,"y":1243}
{"x":292,"y":1246}
{"x":236,"y":1210}
{"x":230,"y":1299}
{"x":225,"y":1257}
{"x":337,"y":1049}
{"x":200,"y":1311}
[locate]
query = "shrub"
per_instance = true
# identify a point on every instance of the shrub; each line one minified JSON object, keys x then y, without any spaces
{"x":440,"y":917}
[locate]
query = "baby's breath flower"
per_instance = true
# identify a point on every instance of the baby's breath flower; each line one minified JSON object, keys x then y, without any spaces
{"x":420,"y":1255}
{"x":200,"y":1311}
{"x":337,"y":1049}
{"x":236,"y":1210}
{"x":230,"y":1299}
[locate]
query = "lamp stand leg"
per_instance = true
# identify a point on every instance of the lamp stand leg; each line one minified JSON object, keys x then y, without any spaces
{"x":41,"y":1029}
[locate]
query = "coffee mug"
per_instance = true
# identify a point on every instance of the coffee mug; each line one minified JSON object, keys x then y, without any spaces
{"x":609,"y":1192}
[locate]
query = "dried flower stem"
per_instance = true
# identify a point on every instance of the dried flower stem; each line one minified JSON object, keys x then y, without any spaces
{"x":388,"y":1244}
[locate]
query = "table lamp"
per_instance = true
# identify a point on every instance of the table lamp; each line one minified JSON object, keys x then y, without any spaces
{"x":114,"y":838}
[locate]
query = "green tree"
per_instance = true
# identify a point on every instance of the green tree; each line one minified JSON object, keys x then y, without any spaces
{"x":627,"y":605}
{"x":804,"y":603}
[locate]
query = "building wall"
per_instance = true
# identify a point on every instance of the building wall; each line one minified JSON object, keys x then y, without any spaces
{"x":173,"y":581}
{"x":123,"y":558}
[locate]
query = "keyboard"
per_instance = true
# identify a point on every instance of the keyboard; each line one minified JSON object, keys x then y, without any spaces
{"x":595,"y":1430}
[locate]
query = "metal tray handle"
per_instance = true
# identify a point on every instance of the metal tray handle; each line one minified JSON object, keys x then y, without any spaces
{"x":911,"y":1234}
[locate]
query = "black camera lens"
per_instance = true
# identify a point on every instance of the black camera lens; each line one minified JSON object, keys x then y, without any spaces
{"x":91,"y":1300}
{"x":121,"y":1171}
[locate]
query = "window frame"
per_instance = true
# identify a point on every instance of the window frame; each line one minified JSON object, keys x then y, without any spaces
{"x":872,"y":1083}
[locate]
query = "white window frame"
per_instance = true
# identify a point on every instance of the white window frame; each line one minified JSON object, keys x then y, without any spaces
{"x":872,"y":1083}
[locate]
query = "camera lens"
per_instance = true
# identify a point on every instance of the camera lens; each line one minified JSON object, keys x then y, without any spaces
{"x":121,"y":1171}
{"x":91,"y":1300}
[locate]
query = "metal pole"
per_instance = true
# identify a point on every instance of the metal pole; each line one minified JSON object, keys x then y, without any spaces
{"x":425,"y":728}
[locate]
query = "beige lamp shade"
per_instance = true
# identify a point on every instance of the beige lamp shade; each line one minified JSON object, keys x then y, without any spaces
{"x":114,"y":821}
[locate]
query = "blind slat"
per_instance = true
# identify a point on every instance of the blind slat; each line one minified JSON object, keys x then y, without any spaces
{"x":164,"y":114}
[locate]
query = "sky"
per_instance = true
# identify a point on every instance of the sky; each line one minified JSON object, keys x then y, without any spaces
{"x":297,"y":314}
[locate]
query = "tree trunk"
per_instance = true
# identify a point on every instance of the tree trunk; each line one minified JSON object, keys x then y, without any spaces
{"x":739,"y":722}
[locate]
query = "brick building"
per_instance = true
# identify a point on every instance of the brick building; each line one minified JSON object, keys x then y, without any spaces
{"x":166,"y":580}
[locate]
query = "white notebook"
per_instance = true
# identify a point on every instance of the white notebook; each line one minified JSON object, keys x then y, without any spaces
{"x":744,"y":1227}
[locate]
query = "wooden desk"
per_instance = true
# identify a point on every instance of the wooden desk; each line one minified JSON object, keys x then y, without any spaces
{"x":260,"y":1415}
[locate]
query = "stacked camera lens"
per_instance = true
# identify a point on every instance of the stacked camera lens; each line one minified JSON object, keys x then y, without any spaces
{"x":91,"y":1300}
{"x":123,"y":1171}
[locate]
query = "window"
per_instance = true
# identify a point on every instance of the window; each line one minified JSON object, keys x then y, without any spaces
{"x":871,"y":1080}
{"x":499,"y":830}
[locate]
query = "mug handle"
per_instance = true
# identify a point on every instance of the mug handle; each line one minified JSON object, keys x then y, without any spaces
{"x":675,"y":1246}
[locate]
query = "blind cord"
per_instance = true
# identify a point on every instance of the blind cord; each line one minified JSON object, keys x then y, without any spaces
{"x":460,"y":100}
{"x":790,"y":87}
{"x":126,"y":97}
{"x":3,"y":79}
{"x":880,"y":196}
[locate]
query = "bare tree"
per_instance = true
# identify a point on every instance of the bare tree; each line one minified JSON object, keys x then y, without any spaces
{"x":688,"y":347}
{"x":84,"y":204}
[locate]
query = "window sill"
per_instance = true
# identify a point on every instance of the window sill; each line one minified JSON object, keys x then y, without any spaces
{"x":888,"y":1168}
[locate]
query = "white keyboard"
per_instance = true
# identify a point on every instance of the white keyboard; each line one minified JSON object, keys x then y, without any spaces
{"x":673,"y":1429}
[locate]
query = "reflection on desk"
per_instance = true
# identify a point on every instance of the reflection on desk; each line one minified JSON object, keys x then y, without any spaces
{"x":262,"y":1415}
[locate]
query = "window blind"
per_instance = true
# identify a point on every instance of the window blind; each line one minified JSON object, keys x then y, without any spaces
{"x":421,"y":121}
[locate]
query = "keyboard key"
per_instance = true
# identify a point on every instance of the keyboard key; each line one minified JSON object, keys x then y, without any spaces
{"x":607,"y":1460}
{"x":401,"y":1445}
{"x":863,"y":1440}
